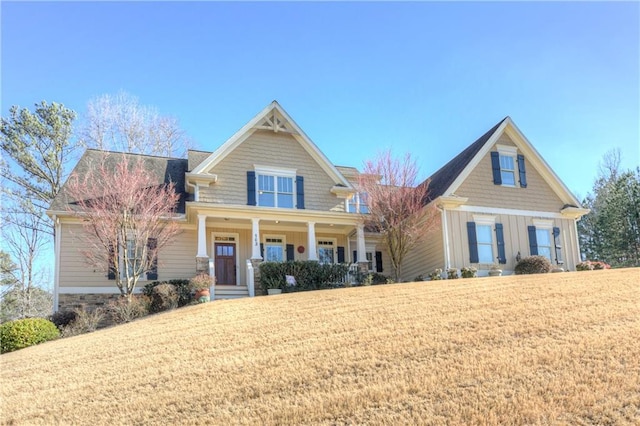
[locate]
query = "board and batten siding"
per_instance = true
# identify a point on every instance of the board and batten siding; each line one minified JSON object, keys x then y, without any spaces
{"x":175,"y":261}
{"x":481,"y":191}
{"x":516,"y":239}
{"x":279,"y":150}
{"x":426,"y":256}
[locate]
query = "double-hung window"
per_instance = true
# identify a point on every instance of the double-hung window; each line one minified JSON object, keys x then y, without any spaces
{"x":359,"y":203}
{"x":326,"y":252}
{"x":505,"y":163}
{"x":507,"y":170}
{"x":485,"y":243}
{"x":275,"y":191}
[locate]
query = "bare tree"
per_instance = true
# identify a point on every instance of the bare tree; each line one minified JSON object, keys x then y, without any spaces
{"x":396,"y":205}
{"x":120,"y":123}
{"x":127,"y":216}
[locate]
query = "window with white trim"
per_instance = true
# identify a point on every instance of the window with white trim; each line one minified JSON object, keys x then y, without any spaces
{"x":370,"y":261}
{"x":485,"y":243}
{"x":508,"y":170}
{"x":275,"y":187}
{"x":274,"y":248}
{"x":543,"y":237}
{"x":359,"y":203}
{"x":326,"y":251}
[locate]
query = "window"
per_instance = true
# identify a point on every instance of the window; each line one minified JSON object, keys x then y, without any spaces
{"x":274,"y":249}
{"x":326,"y":251}
{"x":543,"y":238}
{"x":369,"y":261}
{"x":485,"y":243}
{"x":507,"y":170}
{"x":359,"y":203}
{"x":275,"y":191}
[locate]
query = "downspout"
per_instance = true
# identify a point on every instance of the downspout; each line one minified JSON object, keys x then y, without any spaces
{"x":196,"y":192}
{"x":575,"y":227}
{"x":56,"y":273}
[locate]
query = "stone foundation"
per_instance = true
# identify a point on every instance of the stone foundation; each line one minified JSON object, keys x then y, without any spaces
{"x":89,"y":301}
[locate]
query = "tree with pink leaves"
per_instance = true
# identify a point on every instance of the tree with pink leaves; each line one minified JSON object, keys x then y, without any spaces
{"x":396,"y":205}
{"x":127,"y":214}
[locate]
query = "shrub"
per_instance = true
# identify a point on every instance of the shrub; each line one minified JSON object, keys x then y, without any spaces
{"x":63,"y":318}
{"x":309,"y":275}
{"x":85,"y":322}
{"x":590,"y":265}
{"x":21,"y":333}
{"x":452,"y":274}
{"x":419,"y":278}
{"x":122,"y":311}
{"x":469,"y":272}
{"x":183,"y":290}
{"x":436,"y":275}
{"x":533,"y":265}
{"x":164,"y":297}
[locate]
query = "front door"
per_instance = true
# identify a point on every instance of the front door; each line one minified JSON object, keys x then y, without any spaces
{"x":225,"y":263}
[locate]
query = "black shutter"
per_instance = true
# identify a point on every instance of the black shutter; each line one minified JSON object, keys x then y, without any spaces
{"x":340,"y":254}
{"x":495,"y":166}
{"x":113,"y":257}
{"x":300,"y":192}
{"x":558,"y":245}
{"x":522,"y":171}
{"x":289,"y":252}
{"x":502,"y":257}
{"x":379,"y":267}
{"x":355,"y":256}
{"x":262,"y":251}
{"x":473,"y":242}
{"x":251,"y":188}
{"x":533,"y":241}
{"x":152,"y":273}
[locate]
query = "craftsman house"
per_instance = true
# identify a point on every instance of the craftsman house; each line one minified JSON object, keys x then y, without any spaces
{"x":269,"y":194}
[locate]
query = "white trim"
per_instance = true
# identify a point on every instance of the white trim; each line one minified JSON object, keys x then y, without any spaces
{"x":202,"y":236}
{"x":512,"y":212}
{"x":507,"y":150}
{"x":56,"y":272}
{"x":255,"y":124}
{"x":95,"y":290}
{"x":484,"y":219}
{"x":275,"y":171}
{"x":542,"y":223}
{"x":234,"y":242}
{"x":445,"y":239}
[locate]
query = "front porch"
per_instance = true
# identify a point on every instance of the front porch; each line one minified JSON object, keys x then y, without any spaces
{"x":232,"y":248}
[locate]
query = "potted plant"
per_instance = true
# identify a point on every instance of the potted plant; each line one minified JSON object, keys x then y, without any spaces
{"x":272,"y":284}
{"x":495,"y":270}
{"x":200,"y":285}
{"x":469,"y":272}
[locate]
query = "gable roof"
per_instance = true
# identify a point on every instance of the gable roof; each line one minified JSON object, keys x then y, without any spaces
{"x":446,"y":180}
{"x":272,"y":117}
{"x":163,"y":169}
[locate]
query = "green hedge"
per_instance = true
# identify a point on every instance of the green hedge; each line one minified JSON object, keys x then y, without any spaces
{"x":309,"y":275}
{"x":21,"y":333}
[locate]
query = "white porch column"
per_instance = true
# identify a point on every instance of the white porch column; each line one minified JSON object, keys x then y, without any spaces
{"x":255,"y":239}
{"x":362,"y":250}
{"x":202,"y":236}
{"x":311,"y":241}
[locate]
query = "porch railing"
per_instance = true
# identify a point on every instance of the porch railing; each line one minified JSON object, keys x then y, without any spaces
{"x":351,"y":276}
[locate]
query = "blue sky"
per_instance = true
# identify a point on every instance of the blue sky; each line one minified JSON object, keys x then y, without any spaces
{"x":428,"y":78}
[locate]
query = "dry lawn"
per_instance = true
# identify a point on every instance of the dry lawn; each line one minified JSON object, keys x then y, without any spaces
{"x":552,"y":349}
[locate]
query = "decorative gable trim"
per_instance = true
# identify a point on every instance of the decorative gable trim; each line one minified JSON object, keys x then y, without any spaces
{"x":272,"y":117}
{"x":533,"y":157}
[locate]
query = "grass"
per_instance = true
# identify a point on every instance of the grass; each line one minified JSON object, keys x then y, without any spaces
{"x":546,"y":349}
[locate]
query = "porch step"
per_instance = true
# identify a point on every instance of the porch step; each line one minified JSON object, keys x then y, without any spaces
{"x":230,"y":291}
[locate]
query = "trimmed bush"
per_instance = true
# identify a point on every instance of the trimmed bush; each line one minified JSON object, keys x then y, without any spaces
{"x":309,"y":275}
{"x":26,"y":332}
{"x":63,"y":318}
{"x":164,"y":297}
{"x":183,"y":289}
{"x":436,"y":275}
{"x":533,"y":265}
{"x":469,"y":272}
{"x":452,"y":274}
{"x":590,"y":265}
{"x":122,"y":311}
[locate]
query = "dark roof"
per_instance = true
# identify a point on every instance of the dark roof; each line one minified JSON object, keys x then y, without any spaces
{"x":196,"y":158}
{"x":164,"y":169}
{"x":442,"y":179}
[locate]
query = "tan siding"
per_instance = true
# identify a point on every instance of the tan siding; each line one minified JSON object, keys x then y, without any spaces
{"x":178,"y":259}
{"x":426,"y":257}
{"x":516,"y":239}
{"x":74,"y":269}
{"x":481,"y":191}
{"x":266,"y":148}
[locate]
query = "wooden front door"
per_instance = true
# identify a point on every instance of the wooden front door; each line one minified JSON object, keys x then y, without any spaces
{"x":225,"y":263}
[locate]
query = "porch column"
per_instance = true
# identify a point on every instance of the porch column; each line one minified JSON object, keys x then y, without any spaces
{"x":255,"y":239}
{"x":202,"y":259}
{"x":311,"y":241}
{"x":362,"y":249}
